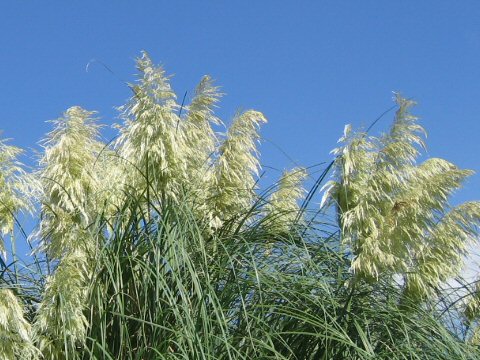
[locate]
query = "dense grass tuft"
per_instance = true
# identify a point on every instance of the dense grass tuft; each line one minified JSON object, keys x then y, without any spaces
{"x":159,"y":246}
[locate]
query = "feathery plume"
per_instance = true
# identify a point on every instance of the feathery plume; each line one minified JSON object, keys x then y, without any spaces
{"x":282,"y":208}
{"x":69,"y":183}
{"x":60,"y":325}
{"x":201,"y":144}
{"x":152,"y":137}
{"x":201,"y":140}
{"x":15,"y":190}
{"x":68,"y":179}
{"x":236,"y":167}
{"x":394,"y":215}
{"x":15,"y":332}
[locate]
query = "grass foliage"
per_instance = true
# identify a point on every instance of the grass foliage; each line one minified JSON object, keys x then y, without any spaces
{"x":159,"y":245}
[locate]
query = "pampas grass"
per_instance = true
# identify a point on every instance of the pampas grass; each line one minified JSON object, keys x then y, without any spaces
{"x":160,"y":246}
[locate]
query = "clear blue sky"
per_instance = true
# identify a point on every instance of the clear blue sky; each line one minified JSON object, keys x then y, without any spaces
{"x":310,"y":66}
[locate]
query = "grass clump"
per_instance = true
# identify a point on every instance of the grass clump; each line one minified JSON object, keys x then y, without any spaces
{"x":159,"y":246}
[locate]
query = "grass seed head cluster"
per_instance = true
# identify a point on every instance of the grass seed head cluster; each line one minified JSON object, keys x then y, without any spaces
{"x":159,"y":246}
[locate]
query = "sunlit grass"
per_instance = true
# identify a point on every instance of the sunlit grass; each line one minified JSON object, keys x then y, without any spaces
{"x":159,"y":246}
